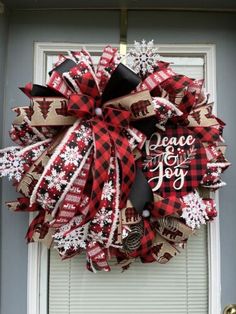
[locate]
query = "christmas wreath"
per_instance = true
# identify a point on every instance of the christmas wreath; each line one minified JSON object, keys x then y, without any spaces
{"x":86,"y":137}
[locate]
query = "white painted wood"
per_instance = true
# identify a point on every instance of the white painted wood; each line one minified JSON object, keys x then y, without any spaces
{"x":37,"y":256}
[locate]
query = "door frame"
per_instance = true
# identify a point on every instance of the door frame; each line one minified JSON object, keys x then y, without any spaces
{"x":37,"y":281}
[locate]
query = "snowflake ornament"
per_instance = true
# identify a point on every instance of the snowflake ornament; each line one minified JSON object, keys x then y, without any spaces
{"x":143,"y":57}
{"x":194,"y":210}
{"x":75,"y":239}
{"x":11,"y":164}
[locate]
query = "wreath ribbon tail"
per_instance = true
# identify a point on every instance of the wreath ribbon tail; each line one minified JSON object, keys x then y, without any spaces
{"x":120,"y":119}
{"x":115,"y":202}
{"x":64,"y":166}
{"x":127,"y":165}
{"x":102,"y":155}
{"x":70,"y":206}
{"x":96,"y":258}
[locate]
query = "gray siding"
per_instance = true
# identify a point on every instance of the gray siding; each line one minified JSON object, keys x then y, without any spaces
{"x":103,"y":27}
{"x":3,"y":49}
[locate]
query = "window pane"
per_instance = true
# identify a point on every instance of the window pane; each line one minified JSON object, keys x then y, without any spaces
{"x":177,"y":287}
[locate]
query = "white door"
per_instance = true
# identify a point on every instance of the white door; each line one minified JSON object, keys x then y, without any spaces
{"x":184,"y":285}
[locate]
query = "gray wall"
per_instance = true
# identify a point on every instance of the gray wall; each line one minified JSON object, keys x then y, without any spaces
{"x":3,"y":50}
{"x":103,"y":27}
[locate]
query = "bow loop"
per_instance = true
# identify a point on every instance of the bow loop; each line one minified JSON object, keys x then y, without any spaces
{"x":84,"y":78}
{"x":81,"y":105}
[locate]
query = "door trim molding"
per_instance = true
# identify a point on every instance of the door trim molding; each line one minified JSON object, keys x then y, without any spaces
{"x":37,"y":295}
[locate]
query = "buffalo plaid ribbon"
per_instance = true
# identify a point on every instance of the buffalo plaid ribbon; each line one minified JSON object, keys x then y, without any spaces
{"x":207,"y":134}
{"x":166,"y":207}
{"x":186,"y":105}
{"x":176,"y":83}
{"x":107,"y":132}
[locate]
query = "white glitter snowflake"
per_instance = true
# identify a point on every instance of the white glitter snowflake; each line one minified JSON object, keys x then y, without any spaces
{"x":37,"y":152}
{"x":194,"y":210}
{"x":107,"y":191}
{"x":103,"y":216}
{"x":84,"y":134}
{"x":56,"y":180}
{"x":11,"y":164}
{"x":45,"y":201}
{"x":143,"y":57}
{"x":95,"y":236}
{"x":65,"y":239}
{"x":71,"y":156}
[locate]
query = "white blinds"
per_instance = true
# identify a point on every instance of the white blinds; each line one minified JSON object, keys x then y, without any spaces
{"x":181,"y":286}
{"x":177,"y":287}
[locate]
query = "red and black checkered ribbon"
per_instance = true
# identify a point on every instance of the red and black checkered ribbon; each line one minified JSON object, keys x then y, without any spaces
{"x":207,"y":134}
{"x":187,"y":103}
{"x":166,"y":207}
{"x":175,"y":84}
{"x":107,"y":131}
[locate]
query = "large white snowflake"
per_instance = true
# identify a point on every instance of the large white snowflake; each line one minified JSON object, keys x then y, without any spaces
{"x":76,"y":238}
{"x":95,"y":236}
{"x":11,"y":164}
{"x":143,"y":57}
{"x":194,"y":210}
{"x":103,"y":216}
{"x":107,"y":191}
{"x":84,"y":134}
{"x":56,"y":180}
{"x":37,"y":152}
{"x":46,"y":201}
{"x":71,"y":156}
